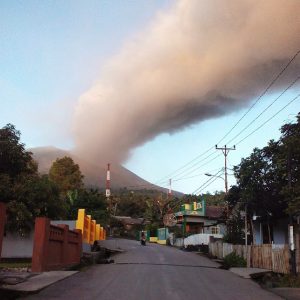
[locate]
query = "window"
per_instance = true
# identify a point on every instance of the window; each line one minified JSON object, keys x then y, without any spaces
{"x":215,"y":230}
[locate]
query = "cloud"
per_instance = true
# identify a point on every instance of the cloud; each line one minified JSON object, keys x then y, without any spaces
{"x":199,"y":60}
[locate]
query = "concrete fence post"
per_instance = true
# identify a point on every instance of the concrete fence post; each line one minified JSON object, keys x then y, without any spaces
{"x":2,"y":223}
{"x":41,"y":240}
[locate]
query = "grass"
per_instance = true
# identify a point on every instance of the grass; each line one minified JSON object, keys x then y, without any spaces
{"x":14,"y":265}
{"x":274,"y":280}
{"x":289,"y":281}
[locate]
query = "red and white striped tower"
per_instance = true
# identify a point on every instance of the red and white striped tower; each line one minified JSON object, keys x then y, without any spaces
{"x":107,"y":192}
{"x":170,"y":188}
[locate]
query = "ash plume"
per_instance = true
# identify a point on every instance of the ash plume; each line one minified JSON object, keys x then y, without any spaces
{"x":198,"y":60}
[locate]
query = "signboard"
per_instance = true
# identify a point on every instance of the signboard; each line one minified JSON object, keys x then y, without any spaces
{"x":193,"y":209}
{"x":189,"y":213}
{"x":198,"y":205}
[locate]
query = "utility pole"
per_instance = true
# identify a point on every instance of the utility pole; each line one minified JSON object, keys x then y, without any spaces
{"x":107,"y":192}
{"x":246,"y":234}
{"x":291,"y":225}
{"x":170,"y":189}
{"x":225,"y":151}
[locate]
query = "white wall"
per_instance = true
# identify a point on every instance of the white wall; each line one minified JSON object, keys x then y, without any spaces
{"x":72,"y":224}
{"x":15,"y":246}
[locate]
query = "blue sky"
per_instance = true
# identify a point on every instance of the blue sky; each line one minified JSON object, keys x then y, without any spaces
{"x":53,"y":51}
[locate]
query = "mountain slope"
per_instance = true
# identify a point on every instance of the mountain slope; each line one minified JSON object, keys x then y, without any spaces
{"x":94,"y":173}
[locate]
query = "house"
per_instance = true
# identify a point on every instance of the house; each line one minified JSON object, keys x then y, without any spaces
{"x":270,"y":231}
{"x":198,"y":218}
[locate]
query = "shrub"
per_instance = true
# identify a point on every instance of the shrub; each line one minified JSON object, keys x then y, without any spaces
{"x":233,"y":260}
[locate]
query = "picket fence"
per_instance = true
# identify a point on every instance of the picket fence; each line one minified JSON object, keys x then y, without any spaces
{"x":267,"y":256}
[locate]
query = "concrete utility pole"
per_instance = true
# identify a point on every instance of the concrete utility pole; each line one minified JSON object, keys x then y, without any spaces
{"x":225,"y":151}
{"x":291,"y":225}
{"x":107,"y":192}
{"x":170,"y":188}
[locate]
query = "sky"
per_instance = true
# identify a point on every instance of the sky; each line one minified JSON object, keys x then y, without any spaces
{"x":178,"y":78}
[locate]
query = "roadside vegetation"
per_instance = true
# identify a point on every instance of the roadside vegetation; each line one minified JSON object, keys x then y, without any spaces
{"x":268,"y":183}
{"x":28,"y":194}
{"x":233,"y":260}
{"x":275,"y":280}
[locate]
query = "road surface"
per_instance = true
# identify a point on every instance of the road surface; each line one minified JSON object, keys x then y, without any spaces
{"x":154,"y":272}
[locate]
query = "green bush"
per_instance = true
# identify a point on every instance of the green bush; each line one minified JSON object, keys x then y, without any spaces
{"x":233,"y":260}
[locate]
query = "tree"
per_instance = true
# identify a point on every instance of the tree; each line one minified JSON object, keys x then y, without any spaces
{"x":33,"y":196}
{"x":14,"y":159}
{"x":214,"y":199}
{"x":94,"y":202}
{"x":289,"y":162}
{"x":234,"y":220}
{"x":67,"y":175}
{"x":27,"y":194}
{"x":269,"y":179}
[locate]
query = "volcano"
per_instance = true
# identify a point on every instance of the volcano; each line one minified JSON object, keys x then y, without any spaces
{"x":94,"y":172}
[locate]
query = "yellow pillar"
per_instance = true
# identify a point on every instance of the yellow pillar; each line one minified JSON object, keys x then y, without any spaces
{"x":80,"y":219}
{"x":92,"y":231}
{"x":97,"y":236}
{"x":88,"y":228}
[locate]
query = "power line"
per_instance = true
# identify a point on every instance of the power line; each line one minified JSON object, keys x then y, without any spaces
{"x":197,"y":175}
{"x":188,"y":170}
{"x":172,"y":174}
{"x":225,"y":151}
{"x":199,"y":188}
{"x":207,"y":185}
{"x":239,"y":133}
{"x":204,"y":164}
{"x":290,"y":102}
{"x":250,"y":123}
{"x":210,"y":179}
{"x":209,"y":182}
{"x":261,"y":95}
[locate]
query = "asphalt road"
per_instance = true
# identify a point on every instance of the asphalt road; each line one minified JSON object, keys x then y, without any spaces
{"x":154,"y":272}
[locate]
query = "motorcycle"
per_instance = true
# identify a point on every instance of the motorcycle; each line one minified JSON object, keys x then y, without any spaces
{"x":143,"y":240}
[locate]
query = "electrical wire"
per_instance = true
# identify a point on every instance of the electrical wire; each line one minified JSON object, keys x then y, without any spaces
{"x":289,"y":103}
{"x":187,"y":165}
{"x":262,"y":94}
{"x":199,"y":191}
{"x":250,"y":123}
{"x":210,"y":179}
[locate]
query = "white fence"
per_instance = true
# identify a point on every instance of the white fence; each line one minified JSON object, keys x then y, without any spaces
{"x":200,"y":239}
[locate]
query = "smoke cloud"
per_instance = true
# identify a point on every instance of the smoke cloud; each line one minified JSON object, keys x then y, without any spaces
{"x":199,"y":60}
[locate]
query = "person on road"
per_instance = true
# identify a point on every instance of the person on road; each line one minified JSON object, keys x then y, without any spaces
{"x":143,"y":239}
{"x":95,"y":247}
